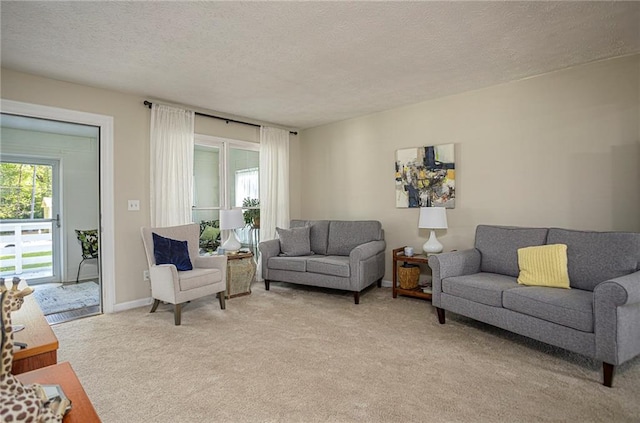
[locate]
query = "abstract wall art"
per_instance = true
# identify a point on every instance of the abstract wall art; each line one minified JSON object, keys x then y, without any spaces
{"x":426,"y":177}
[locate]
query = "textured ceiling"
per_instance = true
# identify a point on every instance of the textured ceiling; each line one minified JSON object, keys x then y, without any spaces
{"x":303,"y":64}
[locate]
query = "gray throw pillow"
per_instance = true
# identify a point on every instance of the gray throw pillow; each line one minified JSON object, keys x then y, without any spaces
{"x":295,"y":241}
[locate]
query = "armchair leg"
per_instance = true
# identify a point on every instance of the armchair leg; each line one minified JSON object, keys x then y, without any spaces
{"x":607,"y":372}
{"x":380,"y":283}
{"x":266,"y":284}
{"x":154,"y":307}
{"x":177,"y":313}
{"x":221,"y":296}
{"x":440,"y":315}
{"x":356,"y":297}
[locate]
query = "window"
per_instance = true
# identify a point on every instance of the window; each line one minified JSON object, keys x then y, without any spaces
{"x":226,"y":173}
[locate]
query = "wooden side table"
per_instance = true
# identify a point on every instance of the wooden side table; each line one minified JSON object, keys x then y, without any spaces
{"x":241,"y":270}
{"x":398,"y":256}
{"x":62,"y":374}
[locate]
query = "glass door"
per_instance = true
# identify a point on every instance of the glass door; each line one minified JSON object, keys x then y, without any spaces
{"x":29,"y":219}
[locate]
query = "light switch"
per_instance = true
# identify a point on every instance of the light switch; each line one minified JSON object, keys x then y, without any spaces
{"x":134,"y":205}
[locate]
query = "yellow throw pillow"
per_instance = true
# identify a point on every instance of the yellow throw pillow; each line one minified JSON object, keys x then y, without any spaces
{"x":544,"y":265}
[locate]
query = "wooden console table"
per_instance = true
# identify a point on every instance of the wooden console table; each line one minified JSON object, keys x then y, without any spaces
{"x":42,"y":344}
{"x":62,"y":374}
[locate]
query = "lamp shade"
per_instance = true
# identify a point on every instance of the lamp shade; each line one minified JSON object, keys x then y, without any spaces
{"x":231,"y":219}
{"x":433,"y":218}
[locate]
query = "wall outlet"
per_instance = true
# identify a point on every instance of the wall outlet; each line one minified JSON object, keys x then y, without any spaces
{"x":145,"y":275}
{"x":133,"y":205}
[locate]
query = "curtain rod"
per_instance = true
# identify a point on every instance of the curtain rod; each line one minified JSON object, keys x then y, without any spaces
{"x":149,"y":104}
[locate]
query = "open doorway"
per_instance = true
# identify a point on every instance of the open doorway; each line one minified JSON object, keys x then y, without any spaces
{"x":50,"y":191}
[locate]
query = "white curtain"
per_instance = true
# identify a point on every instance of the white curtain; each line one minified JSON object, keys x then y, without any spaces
{"x":274,"y":182}
{"x":246,"y":185}
{"x":172,"y":143}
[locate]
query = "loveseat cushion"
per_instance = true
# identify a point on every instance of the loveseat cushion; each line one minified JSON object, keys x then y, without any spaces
{"x":344,"y":236}
{"x":499,"y":245}
{"x":330,"y":265}
{"x":294,"y":242}
{"x":543,"y":265}
{"x":296,"y":264}
{"x":595,"y":257}
{"x":567,"y":307}
{"x":318,"y":234}
{"x":485,"y":288}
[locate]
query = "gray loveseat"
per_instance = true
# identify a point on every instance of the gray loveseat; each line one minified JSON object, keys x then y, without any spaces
{"x":598,"y":317}
{"x":345,"y":255}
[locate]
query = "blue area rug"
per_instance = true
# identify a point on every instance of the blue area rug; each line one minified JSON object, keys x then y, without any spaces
{"x":67,"y":297}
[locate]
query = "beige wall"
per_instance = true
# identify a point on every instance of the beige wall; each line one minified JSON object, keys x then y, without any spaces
{"x":131,"y":159}
{"x":561,"y":149}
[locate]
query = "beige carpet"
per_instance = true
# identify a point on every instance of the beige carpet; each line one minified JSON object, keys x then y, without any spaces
{"x":305,"y":355}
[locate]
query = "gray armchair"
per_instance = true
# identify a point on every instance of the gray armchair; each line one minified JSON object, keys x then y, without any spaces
{"x":168,"y":284}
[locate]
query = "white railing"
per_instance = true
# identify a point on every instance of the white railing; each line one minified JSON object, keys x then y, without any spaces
{"x":26,"y":247}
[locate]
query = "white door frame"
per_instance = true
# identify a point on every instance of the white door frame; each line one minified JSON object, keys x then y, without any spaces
{"x":107,"y":221}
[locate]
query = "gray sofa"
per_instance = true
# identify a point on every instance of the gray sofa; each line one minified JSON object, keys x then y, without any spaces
{"x":345,"y":255}
{"x":598,"y":317}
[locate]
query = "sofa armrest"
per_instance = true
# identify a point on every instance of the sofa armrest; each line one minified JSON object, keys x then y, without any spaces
{"x":617,"y":327}
{"x":268,"y":249}
{"x":455,"y":263}
{"x":213,"y":262}
{"x":366,"y":250}
{"x":619,"y":291}
{"x":164,"y":282}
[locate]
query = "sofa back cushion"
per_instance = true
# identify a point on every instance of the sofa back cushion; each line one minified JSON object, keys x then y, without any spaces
{"x":318,"y":235}
{"x":594,"y":257}
{"x":344,"y":236}
{"x":498,"y":246}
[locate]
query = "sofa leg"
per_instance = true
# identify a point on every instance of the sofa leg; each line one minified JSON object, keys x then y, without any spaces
{"x":440,"y":315}
{"x":356,"y":297}
{"x":607,"y":372}
{"x":221,"y":296}
{"x":154,"y":307}
{"x":177,"y":313}
{"x":266,"y":284}
{"x":380,"y":283}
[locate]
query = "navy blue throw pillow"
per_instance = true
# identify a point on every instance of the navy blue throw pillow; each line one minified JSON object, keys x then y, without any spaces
{"x":170,"y":251}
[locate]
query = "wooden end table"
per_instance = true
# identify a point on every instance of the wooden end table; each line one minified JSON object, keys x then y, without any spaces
{"x":398,"y":256}
{"x":62,"y":374}
{"x":241,"y":270}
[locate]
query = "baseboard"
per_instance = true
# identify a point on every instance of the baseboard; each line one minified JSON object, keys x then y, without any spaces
{"x":387,"y":284}
{"x":132,"y":304}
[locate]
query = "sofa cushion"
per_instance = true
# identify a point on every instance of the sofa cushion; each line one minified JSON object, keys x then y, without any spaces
{"x":344,"y":236}
{"x":198,"y":277}
{"x":499,"y":245}
{"x":330,"y":265}
{"x":295,"y":241}
{"x":595,"y":257}
{"x":485,"y":288}
{"x":318,"y":235}
{"x":296,"y":264}
{"x":543,"y":265}
{"x":567,"y":307}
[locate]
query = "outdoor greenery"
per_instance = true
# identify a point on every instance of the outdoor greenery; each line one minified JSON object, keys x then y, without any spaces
{"x":251,"y":215}
{"x":22,"y":190}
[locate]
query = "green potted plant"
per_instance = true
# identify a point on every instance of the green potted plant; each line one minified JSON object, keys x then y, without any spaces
{"x":251,"y":215}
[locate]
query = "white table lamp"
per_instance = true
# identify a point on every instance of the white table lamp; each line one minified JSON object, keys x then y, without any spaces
{"x":229,"y":221}
{"x":432,"y":218}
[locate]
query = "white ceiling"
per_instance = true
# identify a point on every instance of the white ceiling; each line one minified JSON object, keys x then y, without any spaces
{"x":303,"y":64}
